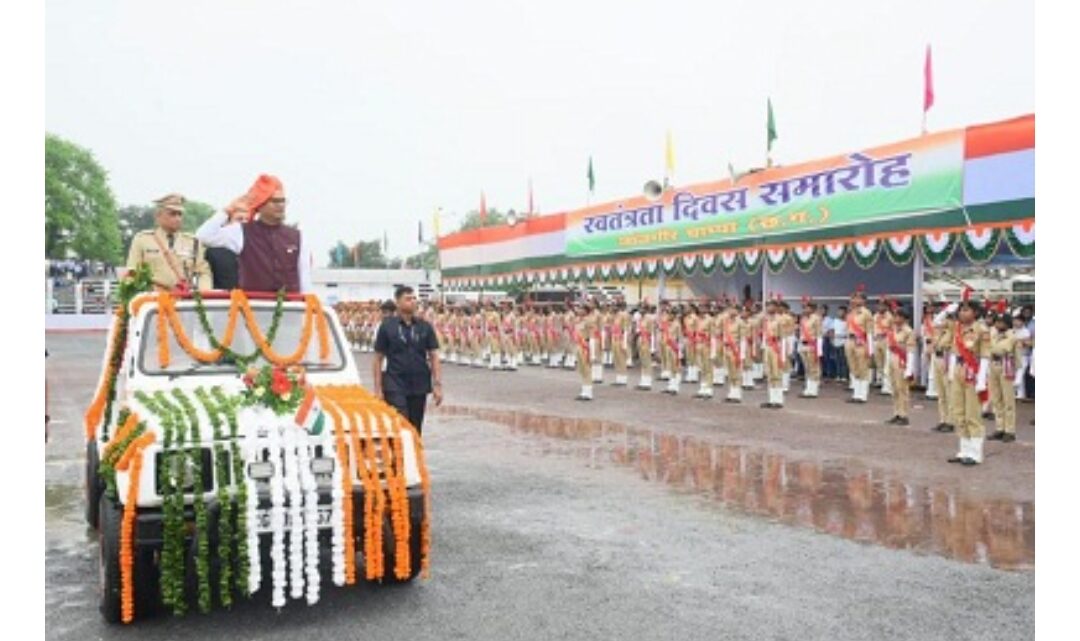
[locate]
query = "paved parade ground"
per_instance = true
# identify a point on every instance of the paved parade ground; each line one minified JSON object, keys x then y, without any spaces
{"x":641,"y":516}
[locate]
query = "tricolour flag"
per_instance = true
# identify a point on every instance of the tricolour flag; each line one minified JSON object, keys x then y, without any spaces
{"x":770,"y":128}
{"x":928,"y":82}
{"x":669,"y":158}
{"x":310,"y":416}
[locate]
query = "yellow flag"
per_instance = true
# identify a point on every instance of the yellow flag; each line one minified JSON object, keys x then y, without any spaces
{"x":669,"y":156}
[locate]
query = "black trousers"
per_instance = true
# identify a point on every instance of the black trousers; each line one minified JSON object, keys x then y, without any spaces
{"x":408,"y":405}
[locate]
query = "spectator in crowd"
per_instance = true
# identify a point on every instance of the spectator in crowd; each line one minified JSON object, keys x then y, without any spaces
{"x":828,"y":366}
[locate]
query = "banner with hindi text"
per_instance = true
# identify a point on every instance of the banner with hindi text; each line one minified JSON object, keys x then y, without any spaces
{"x":903,"y":180}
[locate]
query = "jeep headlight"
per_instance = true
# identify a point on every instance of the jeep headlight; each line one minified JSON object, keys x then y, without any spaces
{"x":261,"y":470}
{"x":322,"y":465}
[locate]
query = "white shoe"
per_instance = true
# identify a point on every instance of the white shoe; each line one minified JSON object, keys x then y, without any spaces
{"x":645,"y":382}
{"x":586,"y":393}
{"x":621,"y":379}
{"x":975,"y":449}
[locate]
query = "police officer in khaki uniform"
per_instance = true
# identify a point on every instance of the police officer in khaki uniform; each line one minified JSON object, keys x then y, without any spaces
{"x":177,"y":260}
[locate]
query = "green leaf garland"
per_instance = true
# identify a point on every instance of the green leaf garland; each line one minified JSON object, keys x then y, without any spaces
{"x":202,"y":542}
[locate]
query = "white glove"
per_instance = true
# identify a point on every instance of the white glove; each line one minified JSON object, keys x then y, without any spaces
{"x":909,"y":371}
{"x":939,"y":318}
{"x":984,"y":370}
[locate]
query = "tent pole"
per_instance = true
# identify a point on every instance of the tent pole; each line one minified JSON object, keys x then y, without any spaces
{"x":917,"y":303}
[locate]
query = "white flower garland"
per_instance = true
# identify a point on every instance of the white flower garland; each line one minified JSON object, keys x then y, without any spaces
{"x":277,"y":522}
{"x":252,"y":507}
{"x":337,"y":519}
{"x":311,"y":520}
{"x":296,"y":515}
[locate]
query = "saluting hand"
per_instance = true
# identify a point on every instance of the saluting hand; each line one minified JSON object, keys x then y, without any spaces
{"x":238,"y":210}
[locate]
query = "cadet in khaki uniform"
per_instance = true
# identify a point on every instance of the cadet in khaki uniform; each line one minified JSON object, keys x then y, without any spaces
{"x":717,"y":342}
{"x":670,"y":334}
{"x":646,"y":339}
{"x":690,"y":326}
{"x":859,"y":347}
{"x":579,"y":337}
{"x":970,"y":371}
{"x":787,"y":333}
{"x":705,"y":351}
{"x":944,"y":328}
{"x":773,"y":347}
{"x":734,"y":352}
{"x":508,"y":339}
{"x":595,"y":337}
{"x":177,"y":260}
{"x":1003,"y":360}
{"x":810,"y":348}
{"x":900,"y":341}
{"x":620,"y":343}
{"x":882,"y":324}
{"x":491,"y":336}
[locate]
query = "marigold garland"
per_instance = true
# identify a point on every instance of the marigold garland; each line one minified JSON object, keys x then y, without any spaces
{"x":96,"y":411}
{"x":400,"y":504}
{"x":132,"y":456}
{"x":314,"y":319}
{"x":342,"y":452}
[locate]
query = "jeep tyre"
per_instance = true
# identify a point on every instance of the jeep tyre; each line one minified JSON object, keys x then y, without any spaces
{"x":92,"y":485}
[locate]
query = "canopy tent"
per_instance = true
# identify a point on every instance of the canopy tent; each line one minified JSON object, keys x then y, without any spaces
{"x":971,"y":189}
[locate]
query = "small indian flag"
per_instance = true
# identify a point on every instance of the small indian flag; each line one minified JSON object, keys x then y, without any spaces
{"x":310,"y":415}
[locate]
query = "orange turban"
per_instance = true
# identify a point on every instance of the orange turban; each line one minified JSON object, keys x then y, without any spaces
{"x":264,"y":188}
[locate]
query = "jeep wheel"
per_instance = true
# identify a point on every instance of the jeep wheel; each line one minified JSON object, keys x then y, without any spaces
{"x":389,"y":547}
{"x":92,"y":484}
{"x":109,"y":560}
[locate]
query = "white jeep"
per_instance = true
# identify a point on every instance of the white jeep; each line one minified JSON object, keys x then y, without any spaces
{"x":233,"y":498}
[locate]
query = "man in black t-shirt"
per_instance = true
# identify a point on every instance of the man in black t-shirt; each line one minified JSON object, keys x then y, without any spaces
{"x":410,"y":349}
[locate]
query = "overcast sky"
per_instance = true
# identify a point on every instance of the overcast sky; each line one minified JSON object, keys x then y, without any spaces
{"x":374,"y":113}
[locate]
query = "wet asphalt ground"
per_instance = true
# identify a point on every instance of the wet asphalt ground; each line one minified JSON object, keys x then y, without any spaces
{"x":541,"y":536}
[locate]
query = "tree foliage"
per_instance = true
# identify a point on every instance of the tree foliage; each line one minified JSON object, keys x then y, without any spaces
{"x":472,"y":219}
{"x":80,"y":210}
{"x":365,"y":254}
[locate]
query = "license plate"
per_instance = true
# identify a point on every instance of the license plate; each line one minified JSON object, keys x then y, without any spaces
{"x":263,"y":519}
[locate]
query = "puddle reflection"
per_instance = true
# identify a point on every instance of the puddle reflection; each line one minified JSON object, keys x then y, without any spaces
{"x":855,"y":503}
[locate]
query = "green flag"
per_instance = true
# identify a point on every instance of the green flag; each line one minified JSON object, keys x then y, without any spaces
{"x":771,"y":126}
{"x":592,"y":177}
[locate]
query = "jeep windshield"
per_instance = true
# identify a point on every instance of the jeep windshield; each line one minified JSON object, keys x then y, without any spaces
{"x":285,"y":343}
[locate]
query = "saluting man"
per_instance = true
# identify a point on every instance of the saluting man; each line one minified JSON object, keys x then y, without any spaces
{"x":177,"y":260}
